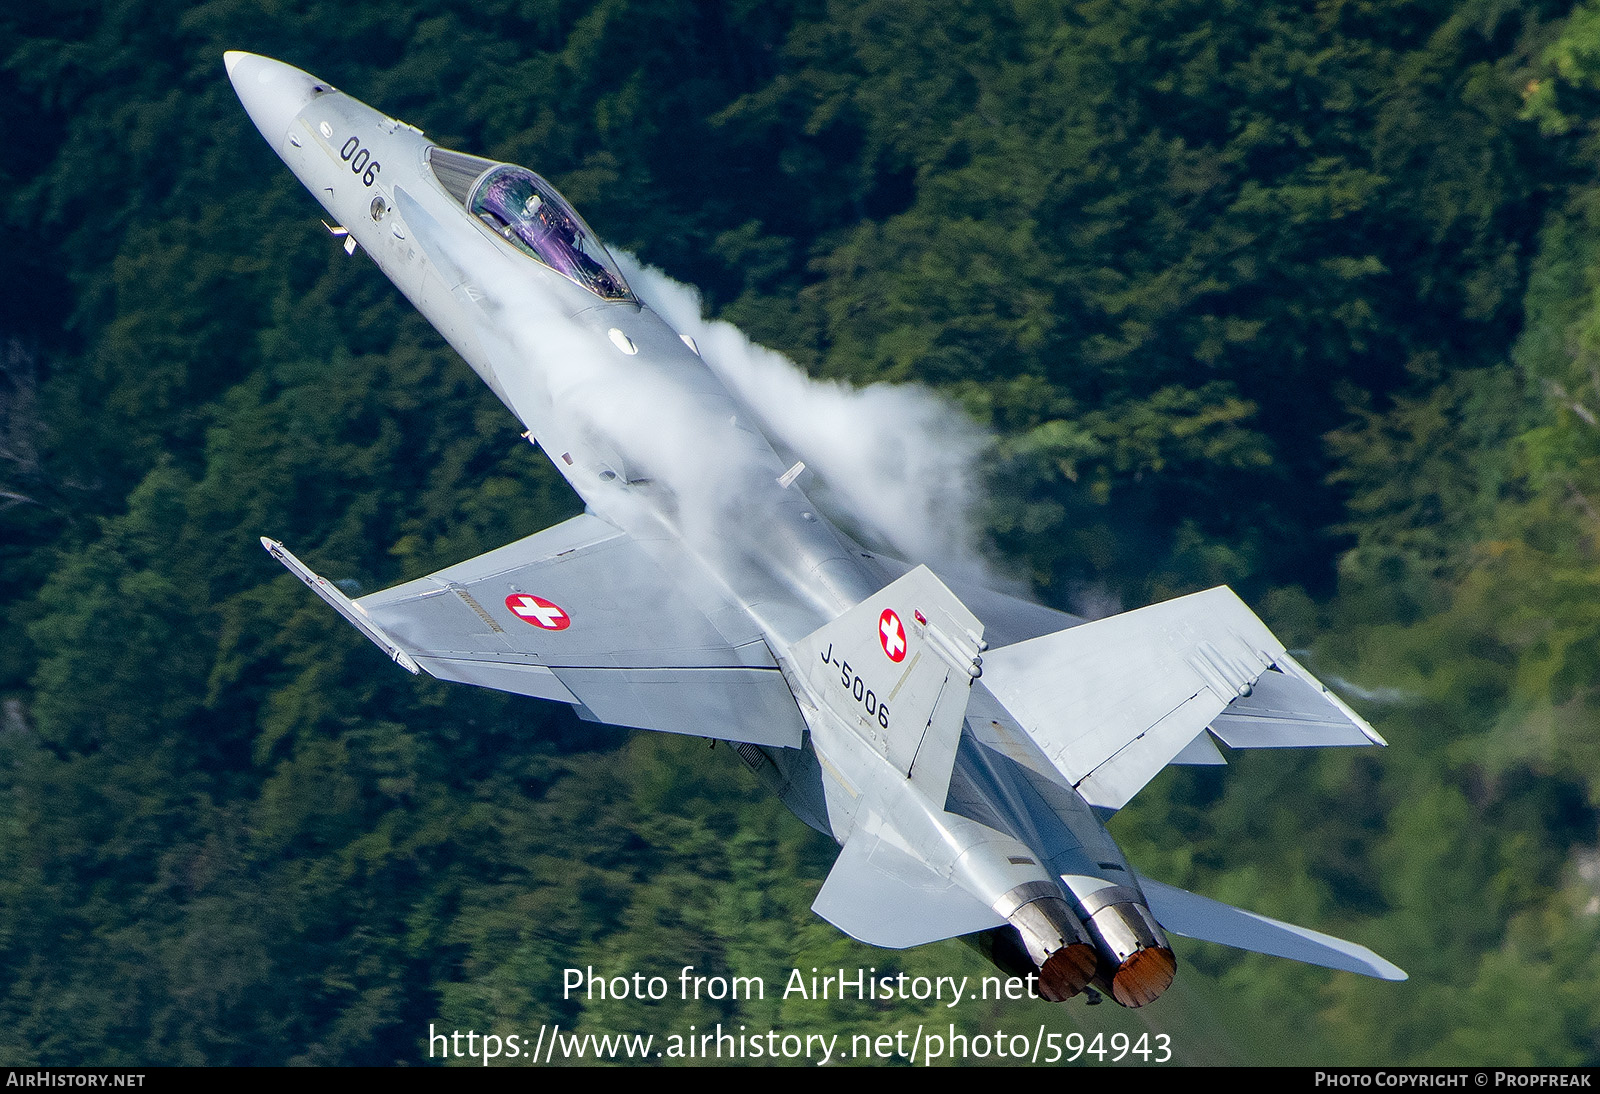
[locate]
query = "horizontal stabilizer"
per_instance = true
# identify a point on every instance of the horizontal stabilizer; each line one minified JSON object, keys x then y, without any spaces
{"x":883,"y":896}
{"x":1200,"y":752}
{"x":1193,"y":916}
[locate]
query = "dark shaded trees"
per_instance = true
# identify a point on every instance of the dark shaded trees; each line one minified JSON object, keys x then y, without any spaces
{"x":1296,"y":298}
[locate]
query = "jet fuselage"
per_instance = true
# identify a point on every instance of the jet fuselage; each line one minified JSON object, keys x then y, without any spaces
{"x":654,"y":443}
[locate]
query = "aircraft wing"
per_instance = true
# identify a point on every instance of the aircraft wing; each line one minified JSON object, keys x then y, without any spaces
{"x":581,"y":613}
{"x":1112,"y":702}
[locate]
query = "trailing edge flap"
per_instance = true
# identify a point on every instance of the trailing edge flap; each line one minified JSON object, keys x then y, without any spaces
{"x":1194,"y":916}
{"x":884,"y":896}
{"x":898,"y":670}
{"x":1112,"y":702}
{"x":580,"y":613}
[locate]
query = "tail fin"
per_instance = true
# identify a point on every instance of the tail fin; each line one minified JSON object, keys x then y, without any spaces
{"x":898,"y":670}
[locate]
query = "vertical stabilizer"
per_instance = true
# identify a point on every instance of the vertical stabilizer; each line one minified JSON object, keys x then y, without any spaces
{"x":898,"y":670}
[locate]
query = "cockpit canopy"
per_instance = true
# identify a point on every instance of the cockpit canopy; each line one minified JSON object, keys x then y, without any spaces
{"x":527,"y":211}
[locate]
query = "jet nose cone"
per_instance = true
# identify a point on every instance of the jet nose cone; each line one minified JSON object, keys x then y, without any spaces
{"x":271,"y":91}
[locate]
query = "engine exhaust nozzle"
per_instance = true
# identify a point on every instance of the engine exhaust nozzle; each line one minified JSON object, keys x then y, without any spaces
{"x":1052,"y":939}
{"x":1136,"y":962}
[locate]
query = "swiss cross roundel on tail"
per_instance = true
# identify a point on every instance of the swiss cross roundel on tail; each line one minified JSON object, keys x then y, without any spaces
{"x":539,"y":611}
{"x":892,"y":636}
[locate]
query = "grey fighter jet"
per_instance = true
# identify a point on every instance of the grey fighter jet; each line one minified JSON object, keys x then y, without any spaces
{"x":963,"y":747}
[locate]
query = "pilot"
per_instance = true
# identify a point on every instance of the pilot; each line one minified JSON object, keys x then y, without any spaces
{"x":559,"y":224}
{"x":601,"y":278}
{"x":513,"y":203}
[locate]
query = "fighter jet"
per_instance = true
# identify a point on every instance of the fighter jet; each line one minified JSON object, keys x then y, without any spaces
{"x":964,"y":747}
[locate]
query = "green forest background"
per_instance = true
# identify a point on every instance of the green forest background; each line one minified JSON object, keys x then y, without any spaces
{"x":1301,"y":297}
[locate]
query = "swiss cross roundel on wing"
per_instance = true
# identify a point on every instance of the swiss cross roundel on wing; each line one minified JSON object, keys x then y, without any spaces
{"x":539,"y":611}
{"x":892,"y":636}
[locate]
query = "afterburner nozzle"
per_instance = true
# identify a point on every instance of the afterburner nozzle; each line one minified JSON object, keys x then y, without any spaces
{"x":1067,"y":971}
{"x":1144,"y":976}
{"x":1052,"y":940}
{"x":1136,"y":961}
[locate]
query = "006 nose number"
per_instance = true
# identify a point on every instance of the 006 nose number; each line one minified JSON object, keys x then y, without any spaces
{"x":360,"y":160}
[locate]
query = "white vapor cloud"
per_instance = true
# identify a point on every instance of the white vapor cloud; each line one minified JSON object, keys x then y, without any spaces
{"x":899,"y":460}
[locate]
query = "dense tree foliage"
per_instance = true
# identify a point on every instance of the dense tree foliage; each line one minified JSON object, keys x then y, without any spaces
{"x":1304,"y":298}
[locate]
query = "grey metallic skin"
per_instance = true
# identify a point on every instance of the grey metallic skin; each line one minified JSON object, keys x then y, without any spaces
{"x":1005,"y":832}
